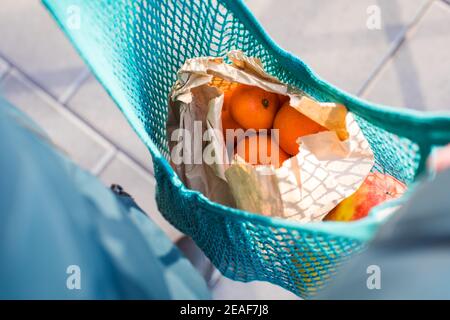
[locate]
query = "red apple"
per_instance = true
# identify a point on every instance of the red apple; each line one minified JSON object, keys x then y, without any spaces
{"x":377,"y":188}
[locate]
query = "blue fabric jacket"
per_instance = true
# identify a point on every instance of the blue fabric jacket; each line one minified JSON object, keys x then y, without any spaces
{"x":63,"y":235}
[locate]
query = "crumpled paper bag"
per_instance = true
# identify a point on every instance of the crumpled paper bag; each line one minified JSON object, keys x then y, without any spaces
{"x":330,"y":166}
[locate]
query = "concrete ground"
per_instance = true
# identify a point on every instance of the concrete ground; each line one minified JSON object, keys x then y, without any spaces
{"x":404,"y":63}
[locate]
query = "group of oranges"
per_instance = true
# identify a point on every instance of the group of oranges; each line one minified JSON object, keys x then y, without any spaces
{"x":250,"y":107}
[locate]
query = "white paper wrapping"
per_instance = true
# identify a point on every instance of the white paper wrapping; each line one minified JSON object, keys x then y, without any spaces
{"x":329,"y":167}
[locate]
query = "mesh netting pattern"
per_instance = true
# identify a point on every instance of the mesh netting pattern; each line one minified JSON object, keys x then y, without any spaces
{"x":135,"y":48}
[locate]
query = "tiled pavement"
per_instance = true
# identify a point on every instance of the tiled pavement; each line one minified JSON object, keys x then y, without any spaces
{"x":406,"y":64}
{"x":418,"y":75}
{"x":332,"y":35}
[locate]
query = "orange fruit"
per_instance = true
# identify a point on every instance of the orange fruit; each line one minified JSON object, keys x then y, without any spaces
{"x":282,"y":99}
{"x":248,"y":148}
{"x":292,"y":125}
{"x":253,"y":107}
{"x":228,"y":122}
{"x":227,"y":94}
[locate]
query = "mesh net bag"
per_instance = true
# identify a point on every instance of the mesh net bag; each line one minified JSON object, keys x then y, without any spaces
{"x":135,"y":49}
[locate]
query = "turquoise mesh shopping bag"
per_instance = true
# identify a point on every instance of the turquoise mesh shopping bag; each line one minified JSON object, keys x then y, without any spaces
{"x":135,"y":49}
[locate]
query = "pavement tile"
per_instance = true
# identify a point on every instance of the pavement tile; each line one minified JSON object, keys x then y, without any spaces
{"x":70,"y":135}
{"x":93,"y":104}
{"x":418,"y":76}
{"x":31,"y":41}
{"x":332,"y":36}
{"x":141,"y":186}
